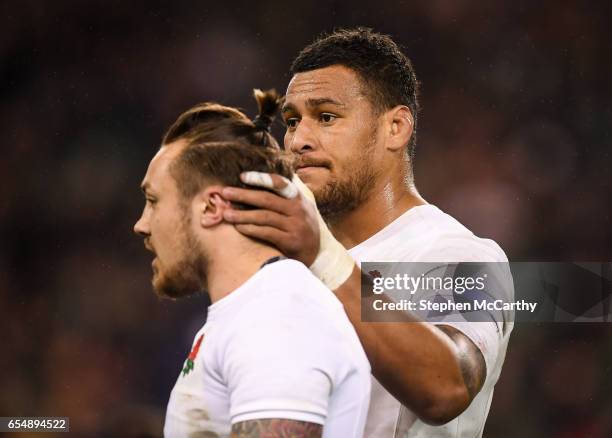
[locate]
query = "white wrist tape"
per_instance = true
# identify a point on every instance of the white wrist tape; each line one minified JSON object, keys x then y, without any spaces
{"x":333,"y":264}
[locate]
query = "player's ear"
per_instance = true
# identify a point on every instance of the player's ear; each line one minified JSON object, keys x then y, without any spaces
{"x":211,"y":205}
{"x":400,"y":125}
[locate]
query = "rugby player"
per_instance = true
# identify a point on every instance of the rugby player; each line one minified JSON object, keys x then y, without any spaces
{"x":277,"y":355}
{"x":351,"y":114}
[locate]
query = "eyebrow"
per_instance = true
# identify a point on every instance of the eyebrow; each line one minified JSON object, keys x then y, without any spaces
{"x":312,"y":103}
{"x":144,"y":187}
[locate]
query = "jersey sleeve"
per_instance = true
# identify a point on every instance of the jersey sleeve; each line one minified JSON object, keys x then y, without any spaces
{"x":485,"y":329}
{"x":281,"y":364}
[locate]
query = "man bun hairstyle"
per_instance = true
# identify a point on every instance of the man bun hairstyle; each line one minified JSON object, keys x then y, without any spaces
{"x":210,"y":121}
{"x":221,"y":142}
{"x":268,"y":103}
{"x":387,"y":76}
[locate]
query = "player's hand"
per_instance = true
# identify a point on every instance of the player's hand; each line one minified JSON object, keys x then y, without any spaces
{"x":285,"y":219}
{"x":291,"y":224}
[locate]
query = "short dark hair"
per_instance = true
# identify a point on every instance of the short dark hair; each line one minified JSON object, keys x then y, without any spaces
{"x":387,"y":75}
{"x":222,"y":142}
{"x":200,"y":164}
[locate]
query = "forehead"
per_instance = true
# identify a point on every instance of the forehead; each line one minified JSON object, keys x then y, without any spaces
{"x":158,"y":176}
{"x":336,"y":82}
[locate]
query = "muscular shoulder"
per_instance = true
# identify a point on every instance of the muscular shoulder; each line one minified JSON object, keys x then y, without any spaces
{"x":449,"y":240}
{"x":297,"y":321}
{"x":290,"y":305}
{"x":452,"y":248}
{"x":427,"y":234}
{"x":289,"y":288}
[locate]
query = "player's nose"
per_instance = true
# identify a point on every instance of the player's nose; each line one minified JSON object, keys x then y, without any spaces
{"x":140,"y":227}
{"x":303,"y":139}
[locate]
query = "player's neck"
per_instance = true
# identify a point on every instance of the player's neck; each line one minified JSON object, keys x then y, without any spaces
{"x":233,"y":265}
{"x":387,"y":201}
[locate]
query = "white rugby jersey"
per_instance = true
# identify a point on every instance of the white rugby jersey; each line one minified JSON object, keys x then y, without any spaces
{"x":279,"y":346}
{"x":426,"y":234}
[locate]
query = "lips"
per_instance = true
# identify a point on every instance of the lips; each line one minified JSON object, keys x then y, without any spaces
{"x":310,"y":167}
{"x":311,"y":164}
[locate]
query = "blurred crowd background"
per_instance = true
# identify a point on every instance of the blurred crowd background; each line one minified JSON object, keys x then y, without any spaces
{"x":513,"y":141}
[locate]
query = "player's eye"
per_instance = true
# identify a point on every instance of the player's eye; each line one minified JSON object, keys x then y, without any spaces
{"x":151,"y":201}
{"x":292,"y":123}
{"x":327,"y":117}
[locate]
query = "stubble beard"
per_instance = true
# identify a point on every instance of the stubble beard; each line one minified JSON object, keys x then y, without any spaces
{"x":338,"y":197}
{"x":187,"y":276}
